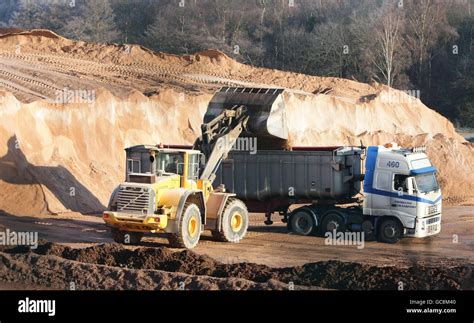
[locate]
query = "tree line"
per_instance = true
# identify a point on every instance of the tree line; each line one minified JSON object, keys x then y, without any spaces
{"x":422,"y":46}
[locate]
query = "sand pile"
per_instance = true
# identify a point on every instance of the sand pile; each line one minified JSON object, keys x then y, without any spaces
{"x":68,"y":109}
{"x":58,"y":158}
{"x":112,"y":266}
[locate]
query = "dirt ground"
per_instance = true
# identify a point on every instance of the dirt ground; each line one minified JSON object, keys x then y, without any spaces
{"x":80,"y":251}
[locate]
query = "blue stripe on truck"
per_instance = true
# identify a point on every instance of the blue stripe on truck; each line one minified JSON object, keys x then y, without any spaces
{"x":424,"y":170}
{"x":403,"y":197}
{"x":370,"y":162}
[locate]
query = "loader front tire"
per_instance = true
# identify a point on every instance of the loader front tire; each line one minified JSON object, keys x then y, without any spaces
{"x":189,"y":228}
{"x":234,"y":222}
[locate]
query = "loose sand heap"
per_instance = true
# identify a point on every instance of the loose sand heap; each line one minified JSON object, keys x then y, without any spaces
{"x":112,"y":266}
{"x":69,"y":108}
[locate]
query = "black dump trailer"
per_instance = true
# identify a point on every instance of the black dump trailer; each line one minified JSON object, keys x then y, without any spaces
{"x":321,"y":179}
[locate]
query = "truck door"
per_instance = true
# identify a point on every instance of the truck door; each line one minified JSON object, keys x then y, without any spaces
{"x":403,"y":202}
{"x":381,"y":201}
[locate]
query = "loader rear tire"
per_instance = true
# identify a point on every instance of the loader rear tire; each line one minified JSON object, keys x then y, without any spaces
{"x":234,"y":222}
{"x":189,"y":228}
{"x":126,"y":237}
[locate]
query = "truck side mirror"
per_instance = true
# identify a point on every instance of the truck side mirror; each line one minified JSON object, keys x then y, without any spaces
{"x":410,"y":187}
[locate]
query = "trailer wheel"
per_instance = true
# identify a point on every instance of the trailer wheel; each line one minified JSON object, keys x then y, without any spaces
{"x":332,"y":222}
{"x":189,"y":228}
{"x":234,"y":222}
{"x":126,"y":237}
{"x":302,"y":222}
{"x":390,"y":231}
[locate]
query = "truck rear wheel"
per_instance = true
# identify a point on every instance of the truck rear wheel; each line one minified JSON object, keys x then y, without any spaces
{"x":390,"y":231}
{"x":189,"y":228}
{"x":126,"y":237}
{"x":332,"y":222}
{"x":302,"y":223}
{"x":234,"y":222}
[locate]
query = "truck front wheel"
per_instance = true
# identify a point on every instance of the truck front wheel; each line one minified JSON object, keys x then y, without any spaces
{"x":390,"y":231}
{"x":234,"y":222}
{"x":189,"y":228}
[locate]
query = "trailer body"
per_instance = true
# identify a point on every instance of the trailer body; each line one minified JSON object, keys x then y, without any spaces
{"x":324,"y":173}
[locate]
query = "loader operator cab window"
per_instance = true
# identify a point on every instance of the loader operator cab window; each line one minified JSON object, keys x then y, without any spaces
{"x":169,"y":163}
{"x":134,"y":166}
{"x":193,"y":167}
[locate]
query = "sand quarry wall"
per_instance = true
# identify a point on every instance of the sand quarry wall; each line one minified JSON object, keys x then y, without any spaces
{"x":69,"y":157}
{"x":56,"y":158}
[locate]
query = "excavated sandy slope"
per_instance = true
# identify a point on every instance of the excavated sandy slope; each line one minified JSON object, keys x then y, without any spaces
{"x":57,"y":156}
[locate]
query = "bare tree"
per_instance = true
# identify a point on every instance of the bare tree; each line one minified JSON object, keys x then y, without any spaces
{"x":388,"y":47}
{"x":426,"y":25}
{"x":95,"y":23}
{"x":40,"y":14}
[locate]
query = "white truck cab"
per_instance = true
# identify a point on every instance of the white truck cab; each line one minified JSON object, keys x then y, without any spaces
{"x":401,"y":183}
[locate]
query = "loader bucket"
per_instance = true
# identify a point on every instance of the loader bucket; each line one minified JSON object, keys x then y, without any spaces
{"x":265,"y":108}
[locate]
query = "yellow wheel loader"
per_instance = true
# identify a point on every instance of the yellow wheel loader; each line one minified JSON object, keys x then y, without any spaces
{"x":169,"y":190}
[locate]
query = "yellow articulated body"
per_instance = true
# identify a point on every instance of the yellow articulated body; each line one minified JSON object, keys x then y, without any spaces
{"x":163,"y":194}
{"x":170,"y":190}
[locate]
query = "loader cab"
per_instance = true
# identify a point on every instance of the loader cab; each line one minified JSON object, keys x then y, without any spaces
{"x":182,"y":162}
{"x":150,"y":164}
{"x":401,"y":183}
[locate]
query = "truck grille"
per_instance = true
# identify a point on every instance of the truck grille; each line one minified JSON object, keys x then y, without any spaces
{"x":433,"y":209}
{"x":133,"y":199}
{"x":433,"y":220}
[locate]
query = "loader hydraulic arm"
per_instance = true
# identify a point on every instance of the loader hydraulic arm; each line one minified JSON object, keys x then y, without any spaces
{"x":218,"y":137}
{"x":257,"y":112}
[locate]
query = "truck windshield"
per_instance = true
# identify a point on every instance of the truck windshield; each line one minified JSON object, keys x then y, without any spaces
{"x":426,"y":182}
{"x":171,"y":163}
